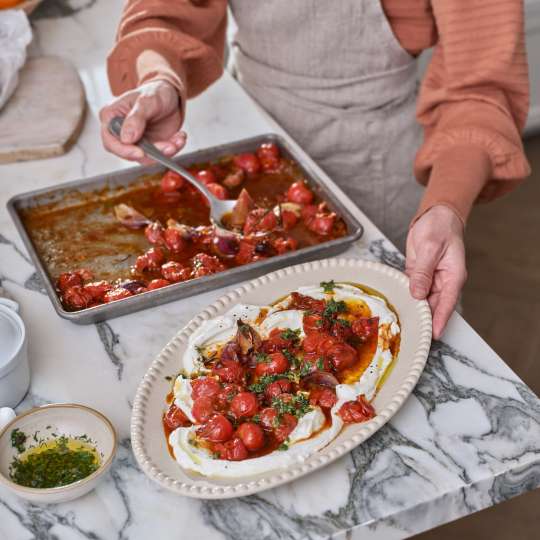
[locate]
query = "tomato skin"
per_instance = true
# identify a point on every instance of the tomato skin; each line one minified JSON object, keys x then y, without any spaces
{"x":116,"y":294}
{"x":312,"y":322}
{"x":174,"y":240}
{"x":217,"y":429}
{"x":203,"y":408}
{"x":205,"y":387}
{"x":268,"y":418}
{"x":284,"y":245}
{"x":205,"y":176}
{"x":204,"y":265}
{"x":285,"y":424}
{"x":158,"y":284}
{"x":172,"y":181}
{"x":230,"y":371}
{"x":276,"y":364}
{"x":77,"y":297}
{"x":226,"y":395}
{"x":151,"y":260}
{"x":322,"y":224}
{"x":234,"y":179}
{"x":281,"y":386}
{"x":154,"y":233}
{"x":97,"y":289}
{"x":299,"y":193}
{"x":268,"y":149}
{"x":342,"y":356}
{"x":313,"y":340}
{"x":341,"y":331}
{"x":325,"y":397}
{"x":218,"y":191}
{"x":300,"y":301}
{"x":288,"y":219}
{"x":175,"y":418}
{"x":68,"y":279}
{"x":175,"y":272}
{"x":244,"y":404}
{"x":251,"y":435}
{"x":365,"y":327}
{"x":247,"y":162}
{"x":260,"y":220}
{"x":356,"y":411}
{"x":233,"y":450}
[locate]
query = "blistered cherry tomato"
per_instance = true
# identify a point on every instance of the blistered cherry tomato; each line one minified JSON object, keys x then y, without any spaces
{"x":97,"y":289}
{"x":312,"y":341}
{"x":172,"y":181}
{"x":252,"y":436}
{"x":205,"y":387}
{"x":299,"y":193}
{"x":301,"y":301}
{"x":342,"y":330}
{"x":342,"y":356}
{"x":278,"y":387}
{"x":284,"y":245}
{"x":77,"y":297}
{"x":175,"y":418}
{"x":356,"y":411}
{"x":268,"y":418}
{"x":234,"y":179}
{"x":205,"y":265}
{"x":322,"y":224}
{"x":365,"y":327}
{"x":288,"y":219}
{"x":116,"y":294}
{"x":312,"y":322}
{"x":248,"y":162}
{"x":234,"y":450}
{"x":268,"y":149}
{"x":175,"y":272}
{"x":216,"y":429}
{"x":276,"y":363}
{"x":69,"y":279}
{"x":174,"y":240}
{"x":283,"y":426}
{"x":206,"y":176}
{"x":151,"y":260}
{"x":229,"y":371}
{"x":154,"y":233}
{"x":218,"y":191}
{"x":244,"y":404}
{"x":158,"y":284}
{"x":226,"y":395}
{"x":325,"y":397}
{"x":203,"y":408}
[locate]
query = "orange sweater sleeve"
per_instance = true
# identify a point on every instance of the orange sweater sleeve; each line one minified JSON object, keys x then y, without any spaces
{"x":473,"y":104}
{"x":181,"y":41}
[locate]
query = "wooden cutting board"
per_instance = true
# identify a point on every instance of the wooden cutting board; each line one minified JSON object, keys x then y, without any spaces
{"x":45,"y":115}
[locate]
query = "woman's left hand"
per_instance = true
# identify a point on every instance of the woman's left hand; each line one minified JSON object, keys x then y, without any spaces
{"x":435,"y":263}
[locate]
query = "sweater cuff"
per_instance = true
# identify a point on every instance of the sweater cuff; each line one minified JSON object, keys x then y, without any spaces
{"x":457,"y":178}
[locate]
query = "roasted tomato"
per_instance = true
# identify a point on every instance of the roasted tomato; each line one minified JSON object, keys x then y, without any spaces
{"x":268,"y":154}
{"x":356,"y":411}
{"x":300,"y":301}
{"x":68,"y":279}
{"x":116,"y":294}
{"x":342,"y":329}
{"x":154,"y":233}
{"x":175,"y":418}
{"x":151,"y":260}
{"x":284,"y":245}
{"x":284,"y":425}
{"x":205,"y":387}
{"x":252,"y":436}
{"x":342,"y":356}
{"x":218,"y":191}
{"x":313,"y":341}
{"x":278,"y":340}
{"x":234,"y":450}
{"x":268,"y":418}
{"x":247,"y":162}
{"x":206,"y":176}
{"x":299,"y":193}
{"x":158,"y":284}
{"x":246,"y":252}
{"x":175,"y":272}
{"x":313,"y":322}
{"x":97,"y":289}
{"x":365,"y":327}
{"x":321,"y":224}
{"x":325,"y":397}
{"x":229,"y":371}
{"x":234,"y":179}
{"x":281,"y":386}
{"x":244,"y":405}
{"x":274,"y":364}
{"x":76,"y":297}
{"x":204,"y":265}
{"x":172,"y":181}
{"x":203,"y":408}
{"x":217,"y":429}
{"x":174,"y":240}
{"x":288,"y":219}
{"x":226,"y":395}
{"x":260,"y":220}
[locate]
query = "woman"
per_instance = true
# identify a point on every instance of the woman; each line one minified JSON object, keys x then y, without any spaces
{"x":340,"y":77}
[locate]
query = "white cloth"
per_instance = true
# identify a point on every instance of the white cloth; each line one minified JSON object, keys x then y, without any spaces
{"x":15,"y":35}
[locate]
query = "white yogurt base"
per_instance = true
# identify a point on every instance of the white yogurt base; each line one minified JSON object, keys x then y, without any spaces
{"x":301,"y":443}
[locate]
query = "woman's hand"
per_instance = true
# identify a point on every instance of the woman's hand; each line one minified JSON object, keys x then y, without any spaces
{"x":436,"y":263}
{"x":153,"y":109}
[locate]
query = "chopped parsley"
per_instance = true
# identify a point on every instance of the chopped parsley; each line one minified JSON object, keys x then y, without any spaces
{"x":297,"y":405}
{"x":320,"y":364}
{"x":344,"y":322}
{"x":18,"y":439}
{"x":328,"y":286}
{"x":262,"y":357}
{"x":291,"y":335}
{"x":283,"y":446}
{"x":291,"y":358}
{"x":305,"y":369}
{"x":333,"y":308}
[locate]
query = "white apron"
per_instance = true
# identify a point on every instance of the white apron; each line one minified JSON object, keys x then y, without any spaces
{"x":333,"y":74}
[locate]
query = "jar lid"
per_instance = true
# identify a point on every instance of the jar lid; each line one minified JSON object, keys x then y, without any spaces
{"x":11,"y":338}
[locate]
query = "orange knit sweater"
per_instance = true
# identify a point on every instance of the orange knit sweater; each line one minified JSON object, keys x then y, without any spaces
{"x":472,"y":104}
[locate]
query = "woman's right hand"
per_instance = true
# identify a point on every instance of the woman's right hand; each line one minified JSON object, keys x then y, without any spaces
{"x":153,"y":109}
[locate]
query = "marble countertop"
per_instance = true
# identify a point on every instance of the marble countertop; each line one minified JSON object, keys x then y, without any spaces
{"x":468,"y":437}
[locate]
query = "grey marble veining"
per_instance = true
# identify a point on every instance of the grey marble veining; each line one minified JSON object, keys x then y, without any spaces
{"x":467,"y":438}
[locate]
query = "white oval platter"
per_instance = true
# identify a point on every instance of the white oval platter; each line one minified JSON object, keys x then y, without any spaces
{"x":147,"y":436}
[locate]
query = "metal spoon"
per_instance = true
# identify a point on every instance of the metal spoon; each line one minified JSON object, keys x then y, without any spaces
{"x":218,"y":208}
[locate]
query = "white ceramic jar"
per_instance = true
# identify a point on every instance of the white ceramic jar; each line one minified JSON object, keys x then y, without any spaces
{"x":14,"y":368}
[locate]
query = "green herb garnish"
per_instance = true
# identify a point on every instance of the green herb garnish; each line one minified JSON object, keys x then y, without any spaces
{"x":344,"y":322}
{"x":297,"y":405}
{"x":262,"y":357}
{"x":328,"y":286}
{"x":291,"y":335}
{"x":18,"y":439}
{"x":291,"y":358}
{"x":283,"y":446}
{"x":333,"y":308}
{"x":320,"y":364}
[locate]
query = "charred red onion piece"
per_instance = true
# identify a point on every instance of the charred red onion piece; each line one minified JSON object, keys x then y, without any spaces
{"x":226,"y":245}
{"x":129,"y":217}
{"x":322,"y":378}
{"x":247,"y":338}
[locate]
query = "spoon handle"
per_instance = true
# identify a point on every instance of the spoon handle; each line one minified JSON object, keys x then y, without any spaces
{"x":115,"y":126}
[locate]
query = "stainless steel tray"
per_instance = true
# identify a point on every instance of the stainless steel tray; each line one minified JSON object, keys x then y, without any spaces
{"x":188,"y":288}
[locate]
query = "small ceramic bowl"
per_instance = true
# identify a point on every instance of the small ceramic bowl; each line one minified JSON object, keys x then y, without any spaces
{"x":45,"y":422}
